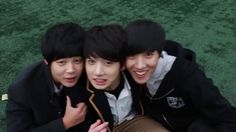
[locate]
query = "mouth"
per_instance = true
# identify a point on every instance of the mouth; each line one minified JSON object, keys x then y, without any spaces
{"x":140,"y":74}
{"x":70,"y":79}
{"x":100,"y":81}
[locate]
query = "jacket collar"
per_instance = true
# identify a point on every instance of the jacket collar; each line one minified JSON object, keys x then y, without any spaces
{"x":183,"y":64}
{"x":100,"y":104}
{"x":49,"y":79}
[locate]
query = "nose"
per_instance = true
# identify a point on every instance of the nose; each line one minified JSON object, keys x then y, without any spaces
{"x":70,"y":68}
{"x":140,"y":63}
{"x":98,"y":70}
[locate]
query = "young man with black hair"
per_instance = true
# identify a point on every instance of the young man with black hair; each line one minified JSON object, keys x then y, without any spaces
{"x":178,"y":95}
{"x":37,"y":99}
{"x":112,"y":97}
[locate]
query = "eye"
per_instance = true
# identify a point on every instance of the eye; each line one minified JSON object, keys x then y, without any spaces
{"x":90,"y":61}
{"x":149,"y":54}
{"x":78,"y":60}
{"x":61,"y":62}
{"x":108,"y":63}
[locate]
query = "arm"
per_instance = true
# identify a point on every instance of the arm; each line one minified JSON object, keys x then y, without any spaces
{"x":20,"y":119}
{"x":209,"y":102}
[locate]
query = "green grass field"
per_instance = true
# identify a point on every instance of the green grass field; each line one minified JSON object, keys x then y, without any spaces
{"x":205,"y":26}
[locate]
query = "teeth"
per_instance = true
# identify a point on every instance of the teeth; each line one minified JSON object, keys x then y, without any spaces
{"x":140,"y":73}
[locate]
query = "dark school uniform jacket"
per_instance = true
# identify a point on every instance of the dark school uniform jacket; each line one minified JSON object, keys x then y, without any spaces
{"x":99,"y":107}
{"x":33,"y":105}
{"x":186,"y":96}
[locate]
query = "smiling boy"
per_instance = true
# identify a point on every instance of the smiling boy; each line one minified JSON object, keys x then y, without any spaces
{"x":179,"y":95}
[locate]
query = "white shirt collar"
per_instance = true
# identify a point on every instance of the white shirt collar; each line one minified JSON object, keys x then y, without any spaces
{"x":58,"y":90}
{"x":121,"y":108}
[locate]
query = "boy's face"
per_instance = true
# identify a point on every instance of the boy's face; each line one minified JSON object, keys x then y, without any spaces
{"x":67,"y":71}
{"x":103,"y":74}
{"x":141,"y":66}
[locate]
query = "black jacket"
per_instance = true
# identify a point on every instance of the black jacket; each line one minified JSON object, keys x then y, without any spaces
{"x":99,"y":107}
{"x":33,"y":106}
{"x":186,"y":98}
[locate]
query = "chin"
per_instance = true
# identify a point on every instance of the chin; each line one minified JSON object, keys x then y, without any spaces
{"x":100,"y":88}
{"x":140,"y":81}
{"x":69,"y":85}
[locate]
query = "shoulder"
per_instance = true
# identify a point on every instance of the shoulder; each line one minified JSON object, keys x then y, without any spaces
{"x":176,"y":49}
{"x":183,"y":54}
{"x":185,"y":63}
{"x":27,"y":79}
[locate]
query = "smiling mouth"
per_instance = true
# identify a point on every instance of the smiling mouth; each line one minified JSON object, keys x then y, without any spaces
{"x":140,"y":73}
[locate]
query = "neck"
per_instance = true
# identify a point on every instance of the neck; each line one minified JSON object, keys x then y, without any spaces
{"x":116,"y":91}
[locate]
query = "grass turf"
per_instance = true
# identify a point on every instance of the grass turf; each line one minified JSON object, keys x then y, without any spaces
{"x":205,"y":26}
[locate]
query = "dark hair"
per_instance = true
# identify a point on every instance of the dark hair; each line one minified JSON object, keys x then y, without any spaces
{"x":108,"y":42}
{"x":144,"y":35}
{"x":62,"y":40}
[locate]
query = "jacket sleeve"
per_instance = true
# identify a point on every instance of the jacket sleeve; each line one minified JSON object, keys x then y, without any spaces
{"x":20,"y":117}
{"x":209,"y":102}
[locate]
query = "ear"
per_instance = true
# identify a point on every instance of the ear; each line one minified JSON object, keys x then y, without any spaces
{"x":45,"y":61}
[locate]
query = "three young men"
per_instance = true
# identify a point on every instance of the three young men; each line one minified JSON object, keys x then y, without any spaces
{"x":178,"y":94}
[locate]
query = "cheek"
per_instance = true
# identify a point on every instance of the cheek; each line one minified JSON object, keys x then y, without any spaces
{"x":57,"y":74}
{"x":153,"y":62}
{"x":88,"y":70}
{"x":89,"y":77}
{"x":153,"y":65}
{"x":129,"y":64}
{"x":117,"y":73}
{"x":113,"y":72}
{"x":80,"y":68}
{"x":114,"y":77}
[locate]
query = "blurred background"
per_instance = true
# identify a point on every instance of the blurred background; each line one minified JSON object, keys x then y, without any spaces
{"x":206,"y":26}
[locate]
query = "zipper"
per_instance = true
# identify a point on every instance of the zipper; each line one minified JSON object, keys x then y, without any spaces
{"x":167,"y":122}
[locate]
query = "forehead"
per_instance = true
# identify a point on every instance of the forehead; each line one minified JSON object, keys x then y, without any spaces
{"x":103,"y":61}
{"x":97,"y":58}
{"x":144,"y":53}
{"x":68,"y":58}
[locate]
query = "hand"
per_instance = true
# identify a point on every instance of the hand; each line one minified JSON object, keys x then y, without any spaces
{"x":98,"y":126}
{"x":74,"y":116}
